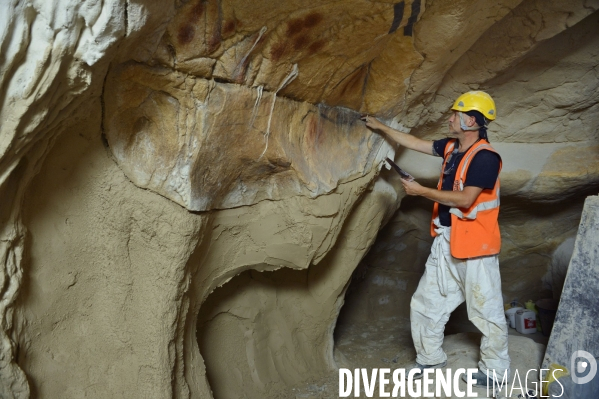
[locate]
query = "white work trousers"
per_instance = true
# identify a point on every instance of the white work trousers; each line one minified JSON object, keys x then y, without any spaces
{"x":446,"y":283}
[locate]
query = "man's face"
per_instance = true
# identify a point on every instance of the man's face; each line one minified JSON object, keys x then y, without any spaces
{"x":454,"y":123}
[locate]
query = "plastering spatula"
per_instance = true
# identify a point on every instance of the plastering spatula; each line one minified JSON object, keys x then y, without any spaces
{"x":404,"y":175}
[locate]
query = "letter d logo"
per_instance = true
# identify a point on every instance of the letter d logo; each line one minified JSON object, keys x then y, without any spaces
{"x":581,"y":366}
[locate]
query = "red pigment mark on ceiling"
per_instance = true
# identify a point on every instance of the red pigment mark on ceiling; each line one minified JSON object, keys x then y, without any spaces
{"x":312,"y":20}
{"x":277,"y":51}
{"x":187,"y":31}
{"x":315,"y":130}
{"x":316,"y":47}
{"x":229,"y":27}
{"x":300,"y":42}
{"x":186,"y":34}
{"x":294,"y":27}
{"x":196,"y":12}
{"x":214,"y":41}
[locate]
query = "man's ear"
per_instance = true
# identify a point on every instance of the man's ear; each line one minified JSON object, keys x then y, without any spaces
{"x":471,"y":121}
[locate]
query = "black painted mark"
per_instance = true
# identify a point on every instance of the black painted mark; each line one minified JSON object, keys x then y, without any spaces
{"x":366,"y":77}
{"x":407,"y":30}
{"x":397,"y":16}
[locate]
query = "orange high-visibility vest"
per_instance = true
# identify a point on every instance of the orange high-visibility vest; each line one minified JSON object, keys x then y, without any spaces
{"x":474,"y":231}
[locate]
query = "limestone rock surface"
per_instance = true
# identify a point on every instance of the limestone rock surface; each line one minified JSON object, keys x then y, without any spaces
{"x":209,"y":145}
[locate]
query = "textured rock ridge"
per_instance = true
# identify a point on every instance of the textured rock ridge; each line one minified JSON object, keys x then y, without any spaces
{"x":208,"y":145}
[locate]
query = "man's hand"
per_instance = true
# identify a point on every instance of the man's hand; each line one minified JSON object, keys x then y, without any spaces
{"x":412,"y":187}
{"x":372,"y":122}
{"x":403,"y":139}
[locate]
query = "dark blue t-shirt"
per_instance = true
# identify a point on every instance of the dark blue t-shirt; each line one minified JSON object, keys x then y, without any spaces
{"x":482,"y":172}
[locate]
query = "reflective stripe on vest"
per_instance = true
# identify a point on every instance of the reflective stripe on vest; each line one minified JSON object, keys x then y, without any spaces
{"x":483,"y":206}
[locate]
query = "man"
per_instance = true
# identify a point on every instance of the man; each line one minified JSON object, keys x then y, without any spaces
{"x":463,"y":263}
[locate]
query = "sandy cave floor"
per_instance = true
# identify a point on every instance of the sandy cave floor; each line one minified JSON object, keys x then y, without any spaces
{"x":387,"y":343}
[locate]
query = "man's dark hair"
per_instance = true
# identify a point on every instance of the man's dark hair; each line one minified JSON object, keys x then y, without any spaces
{"x":480,"y":121}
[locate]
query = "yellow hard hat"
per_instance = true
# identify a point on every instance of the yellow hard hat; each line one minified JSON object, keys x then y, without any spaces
{"x":476,"y":101}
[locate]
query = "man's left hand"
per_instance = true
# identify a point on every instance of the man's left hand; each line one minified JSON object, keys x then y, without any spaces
{"x":412,"y":187}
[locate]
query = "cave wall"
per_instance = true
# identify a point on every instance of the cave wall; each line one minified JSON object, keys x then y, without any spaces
{"x":152,"y":152}
{"x":106,"y":264}
{"x":116,"y":276}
